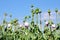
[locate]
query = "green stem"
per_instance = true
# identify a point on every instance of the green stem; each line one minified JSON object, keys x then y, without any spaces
{"x":40,"y":22}
{"x":56,"y":18}
{"x":32,"y":17}
{"x":37,"y":19}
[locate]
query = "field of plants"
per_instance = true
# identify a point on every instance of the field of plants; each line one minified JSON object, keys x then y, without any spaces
{"x":12,"y":30}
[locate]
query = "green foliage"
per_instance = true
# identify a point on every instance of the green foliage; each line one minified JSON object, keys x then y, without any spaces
{"x":33,"y":31}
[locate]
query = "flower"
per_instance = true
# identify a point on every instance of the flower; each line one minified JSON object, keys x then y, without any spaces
{"x":46,"y":23}
{"x":20,"y":25}
{"x":9,"y":25}
{"x":53,"y":26}
{"x":26,"y":24}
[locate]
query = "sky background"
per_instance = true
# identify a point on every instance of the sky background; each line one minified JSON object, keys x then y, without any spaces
{"x":21,"y":8}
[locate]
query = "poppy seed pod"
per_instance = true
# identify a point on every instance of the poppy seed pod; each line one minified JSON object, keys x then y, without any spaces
{"x":37,"y":10}
{"x":49,"y":11}
{"x":56,"y":10}
{"x":40,"y":11}
{"x":32,"y":6}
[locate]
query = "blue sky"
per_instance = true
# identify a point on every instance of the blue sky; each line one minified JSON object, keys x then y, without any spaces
{"x":21,"y":8}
